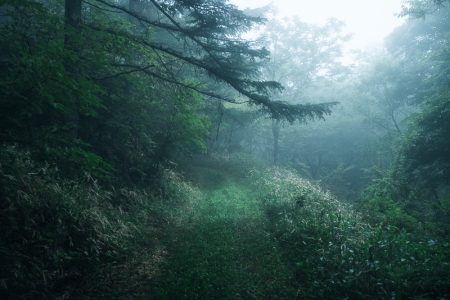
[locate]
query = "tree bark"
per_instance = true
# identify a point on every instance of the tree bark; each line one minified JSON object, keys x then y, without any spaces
{"x":276,"y":138}
{"x":72,"y":31}
{"x":72,"y":22}
{"x":135,"y":6}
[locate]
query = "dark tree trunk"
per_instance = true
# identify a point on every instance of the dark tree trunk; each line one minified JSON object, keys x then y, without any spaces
{"x":72,"y":23}
{"x":72,"y":35}
{"x":72,"y":31}
{"x":134,"y":6}
{"x":276,"y":138}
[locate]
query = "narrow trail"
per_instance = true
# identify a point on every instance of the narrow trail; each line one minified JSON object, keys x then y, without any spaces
{"x":221,"y":250}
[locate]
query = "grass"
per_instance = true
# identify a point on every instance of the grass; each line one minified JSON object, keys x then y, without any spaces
{"x":264,"y":234}
{"x":273,"y":235}
{"x":222,"y":251}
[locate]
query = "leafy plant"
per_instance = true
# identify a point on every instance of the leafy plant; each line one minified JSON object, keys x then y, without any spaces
{"x":337,"y":252}
{"x":55,"y":232}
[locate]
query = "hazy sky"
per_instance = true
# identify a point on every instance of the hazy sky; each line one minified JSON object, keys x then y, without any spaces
{"x":369,"y":20}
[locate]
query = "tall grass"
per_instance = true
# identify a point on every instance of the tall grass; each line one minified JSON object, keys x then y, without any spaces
{"x":249,"y":233}
{"x":221,"y":252}
{"x":54,"y":232}
{"x":66,"y":238}
{"x":336,"y":253}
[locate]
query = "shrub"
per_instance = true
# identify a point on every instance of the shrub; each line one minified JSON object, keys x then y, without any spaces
{"x":379,"y":211}
{"x":54,"y":231}
{"x":336,"y":253}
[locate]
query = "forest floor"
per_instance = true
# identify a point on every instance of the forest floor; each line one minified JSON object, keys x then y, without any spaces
{"x":280,"y":237}
{"x":219,"y":248}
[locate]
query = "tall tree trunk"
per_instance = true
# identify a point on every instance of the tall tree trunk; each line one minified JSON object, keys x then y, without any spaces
{"x":276,"y":138}
{"x":230,"y":136}
{"x":215,"y":141}
{"x":72,"y":22}
{"x":138,"y":7}
{"x":72,"y":31}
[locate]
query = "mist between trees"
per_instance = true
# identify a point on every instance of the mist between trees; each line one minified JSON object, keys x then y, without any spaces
{"x":150,"y":151}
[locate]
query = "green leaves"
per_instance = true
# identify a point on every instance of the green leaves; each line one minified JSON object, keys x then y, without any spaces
{"x":424,"y":152}
{"x":338,"y":252}
{"x":52,"y":228}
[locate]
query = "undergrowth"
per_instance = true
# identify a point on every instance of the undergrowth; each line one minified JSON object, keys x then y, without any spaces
{"x":336,"y":252}
{"x":53,"y":231}
{"x":221,"y":251}
{"x":264,"y":233}
{"x":74,"y":239}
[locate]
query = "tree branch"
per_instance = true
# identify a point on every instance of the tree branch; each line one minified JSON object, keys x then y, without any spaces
{"x":138,"y":69}
{"x":177,"y":82}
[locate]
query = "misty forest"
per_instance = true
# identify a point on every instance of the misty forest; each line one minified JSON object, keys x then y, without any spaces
{"x":188,"y":149}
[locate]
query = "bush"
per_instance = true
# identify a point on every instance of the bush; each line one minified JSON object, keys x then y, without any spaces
{"x":54,"y":232}
{"x":336,"y":252}
{"x":380,"y":211}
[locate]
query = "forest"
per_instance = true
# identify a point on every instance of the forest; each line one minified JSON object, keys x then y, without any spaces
{"x":187,"y":149}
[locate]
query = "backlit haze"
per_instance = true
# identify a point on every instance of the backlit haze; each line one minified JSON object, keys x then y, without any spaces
{"x":370,"y":21}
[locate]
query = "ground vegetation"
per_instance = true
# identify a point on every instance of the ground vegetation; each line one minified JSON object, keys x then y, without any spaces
{"x":149,"y":150}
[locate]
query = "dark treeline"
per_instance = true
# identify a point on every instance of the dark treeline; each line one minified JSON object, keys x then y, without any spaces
{"x":149,"y":151}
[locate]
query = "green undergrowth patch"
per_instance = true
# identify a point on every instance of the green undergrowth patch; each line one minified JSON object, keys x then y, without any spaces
{"x":262,"y":233}
{"x":54,"y":232}
{"x":336,"y":254}
{"x":64,"y":239}
{"x":222,"y":251}
{"x":270,"y":234}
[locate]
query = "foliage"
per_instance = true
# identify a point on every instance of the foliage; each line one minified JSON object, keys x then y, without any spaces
{"x":152,"y":214}
{"x":336,"y":254}
{"x":381,"y":211}
{"x":422,"y":162}
{"x":104,"y":119}
{"x":101,"y":99}
{"x":421,"y":8}
{"x":55,"y":232}
{"x":205,"y":36}
{"x":220,"y":252}
{"x":305,"y":56}
{"x":58,"y":234}
{"x":387,"y":88}
{"x":39,"y":97}
{"x":424,"y":153}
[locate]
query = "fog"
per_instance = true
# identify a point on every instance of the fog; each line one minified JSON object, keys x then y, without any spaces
{"x":185,"y":149}
{"x":370,"y":21}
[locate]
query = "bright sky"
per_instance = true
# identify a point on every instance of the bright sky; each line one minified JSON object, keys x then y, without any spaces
{"x":370,"y":20}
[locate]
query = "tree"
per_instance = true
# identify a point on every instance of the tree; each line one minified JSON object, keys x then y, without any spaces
{"x":43,"y":84}
{"x":424,"y":154}
{"x":78,"y":75}
{"x":304,"y":56}
{"x":208,"y":39}
{"x":385,"y":93}
{"x":417,"y":9}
